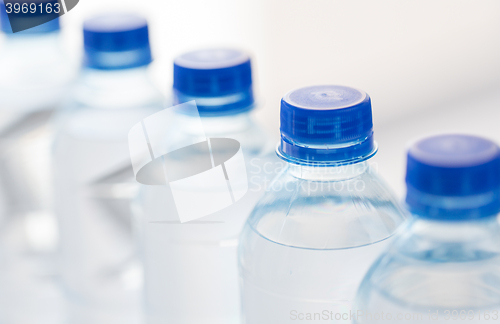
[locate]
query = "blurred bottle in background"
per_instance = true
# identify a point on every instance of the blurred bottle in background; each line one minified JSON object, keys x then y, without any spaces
{"x":94,"y":181}
{"x":314,"y":234}
{"x":444,"y":266}
{"x":34,"y":77}
{"x":191,"y":268}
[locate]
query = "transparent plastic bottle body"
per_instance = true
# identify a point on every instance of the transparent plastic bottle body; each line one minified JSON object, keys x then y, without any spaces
{"x":94,"y":184}
{"x":35,"y":77}
{"x":311,"y":239}
{"x":436,"y":272}
{"x":191,"y":268}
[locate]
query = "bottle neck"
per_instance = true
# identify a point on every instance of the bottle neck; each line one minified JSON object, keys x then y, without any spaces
{"x":33,"y":41}
{"x":115,"y":78}
{"x":117,"y":89}
{"x":356,"y":151}
{"x":215,"y":126}
{"x":328,"y":173}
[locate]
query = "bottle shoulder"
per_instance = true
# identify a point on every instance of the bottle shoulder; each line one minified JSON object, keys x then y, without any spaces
{"x":448,"y":241}
{"x":439,"y":268}
{"x":114,"y":90}
{"x":34,"y":76}
{"x":254,"y":140}
{"x":334,"y":214}
{"x":106,"y":105}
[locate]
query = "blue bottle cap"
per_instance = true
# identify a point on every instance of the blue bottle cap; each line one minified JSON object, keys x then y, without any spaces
{"x":22,"y":20}
{"x":116,"y":41}
{"x":453,"y":177}
{"x":219,"y":80}
{"x":326,"y":124}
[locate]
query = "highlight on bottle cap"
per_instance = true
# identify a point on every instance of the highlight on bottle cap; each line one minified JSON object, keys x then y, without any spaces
{"x":116,"y":41}
{"x":218,"y":79}
{"x":453,"y":176}
{"x":326,"y":124}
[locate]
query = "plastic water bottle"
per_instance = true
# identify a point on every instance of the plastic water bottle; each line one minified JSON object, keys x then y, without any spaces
{"x":34,"y":77}
{"x":94,"y":181}
{"x":313,"y":235}
{"x":191,"y":267}
{"x":444,"y":266}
